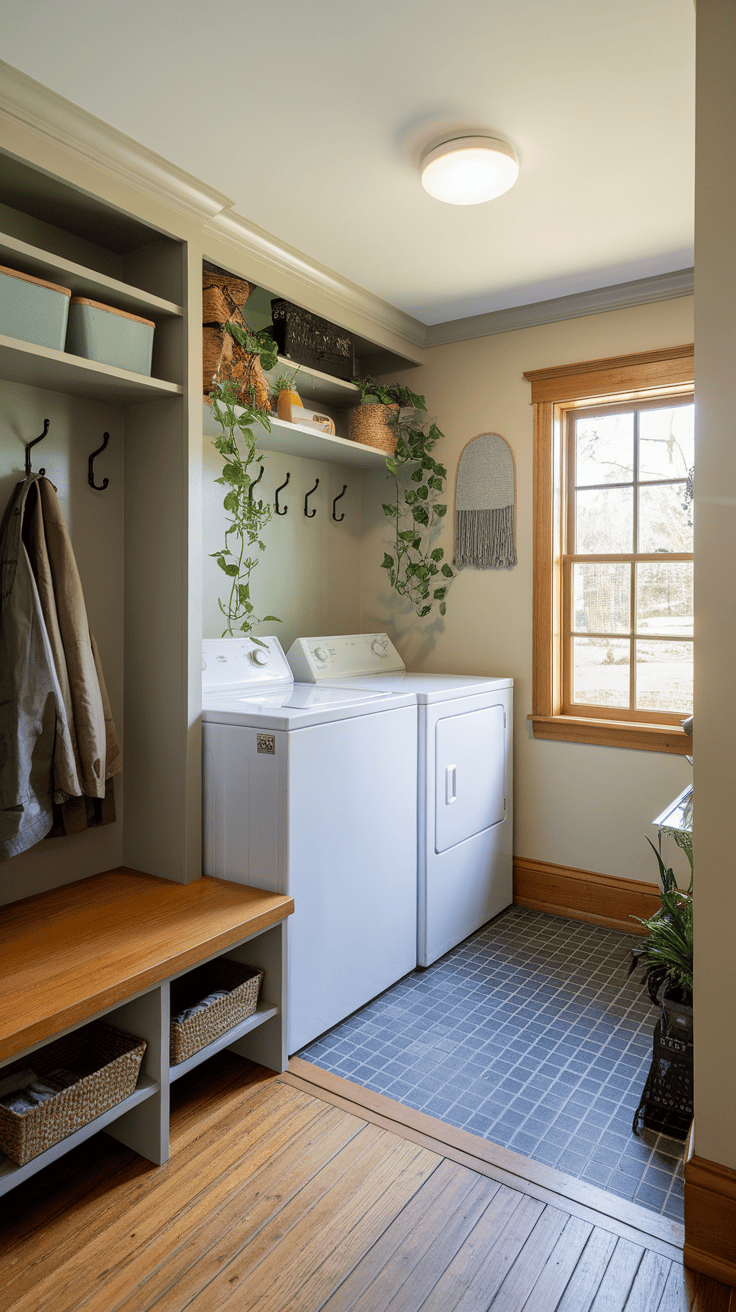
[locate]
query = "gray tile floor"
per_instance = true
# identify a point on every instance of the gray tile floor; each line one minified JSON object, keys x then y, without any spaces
{"x":530,"y":1035}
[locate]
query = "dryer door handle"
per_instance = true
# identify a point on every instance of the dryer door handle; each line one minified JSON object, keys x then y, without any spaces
{"x":451,"y":784}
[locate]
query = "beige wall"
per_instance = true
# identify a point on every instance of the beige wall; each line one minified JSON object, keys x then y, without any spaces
{"x":309,"y":574}
{"x":715,"y":582}
{"x":576,"y":805}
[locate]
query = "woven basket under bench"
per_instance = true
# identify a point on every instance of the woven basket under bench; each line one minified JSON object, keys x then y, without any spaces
{"x":108,"y":1061}
{"x":196,"y":1032}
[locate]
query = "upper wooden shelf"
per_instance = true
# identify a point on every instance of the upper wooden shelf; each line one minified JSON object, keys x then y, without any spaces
{"x":296,"y":440}
{"x":39,"y":366}
{"x":17,"y":254}
{"x":68,"y":954}
{"x":313,"y":385}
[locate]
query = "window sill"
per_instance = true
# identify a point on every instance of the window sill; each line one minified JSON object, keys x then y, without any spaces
{"x":613,"y":733}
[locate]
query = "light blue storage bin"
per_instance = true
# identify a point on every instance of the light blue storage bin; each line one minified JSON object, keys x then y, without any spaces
{"x":110,"y":336}
{"x":33,"y":310}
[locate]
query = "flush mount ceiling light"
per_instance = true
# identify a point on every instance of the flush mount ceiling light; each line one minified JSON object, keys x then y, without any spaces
{"x":469,"y":170}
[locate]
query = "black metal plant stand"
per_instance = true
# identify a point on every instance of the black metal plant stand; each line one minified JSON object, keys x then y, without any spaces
{"x":666,"y":1102}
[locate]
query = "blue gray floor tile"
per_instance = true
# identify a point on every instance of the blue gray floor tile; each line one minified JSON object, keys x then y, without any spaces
{"x":531,"y":1035}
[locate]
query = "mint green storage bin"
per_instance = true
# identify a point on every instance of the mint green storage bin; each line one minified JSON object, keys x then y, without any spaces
{"x":110,"y":336}
{"x":32,"y":309}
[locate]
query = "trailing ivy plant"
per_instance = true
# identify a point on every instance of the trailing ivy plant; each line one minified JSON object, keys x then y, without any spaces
{"x":248,"y":516}
{"x":260,"y":343}
{"x":416,"y":569}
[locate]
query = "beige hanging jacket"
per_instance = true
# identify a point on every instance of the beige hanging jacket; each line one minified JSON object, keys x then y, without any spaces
{"x":57,"y":736}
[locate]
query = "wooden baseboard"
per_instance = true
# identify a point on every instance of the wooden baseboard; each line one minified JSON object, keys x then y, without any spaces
{"x":582,"y":895}
{"x":710,"y":1218}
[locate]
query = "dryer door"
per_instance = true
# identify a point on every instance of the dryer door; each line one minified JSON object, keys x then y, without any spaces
{"x":471,"y":774}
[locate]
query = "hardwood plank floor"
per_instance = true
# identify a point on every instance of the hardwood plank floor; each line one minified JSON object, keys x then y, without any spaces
{"x":276,"y":1199}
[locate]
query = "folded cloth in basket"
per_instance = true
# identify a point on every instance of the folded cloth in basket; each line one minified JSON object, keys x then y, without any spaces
{"x":38,"y":1091}
{"x":200,"y":1006}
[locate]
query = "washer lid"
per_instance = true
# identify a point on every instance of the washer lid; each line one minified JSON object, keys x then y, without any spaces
{"x":296,"y":706}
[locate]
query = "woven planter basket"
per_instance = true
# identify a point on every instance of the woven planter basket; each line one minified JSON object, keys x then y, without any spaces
{"x":215,"y":308}
{"x":369,"y":425}
{"x":223,"y":359}
{"x":189,"y":1036}
{"x":108,"y":1061}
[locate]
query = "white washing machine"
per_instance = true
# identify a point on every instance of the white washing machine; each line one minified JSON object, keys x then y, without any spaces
{"x":465,"y":796}
{"x":311,"y":792}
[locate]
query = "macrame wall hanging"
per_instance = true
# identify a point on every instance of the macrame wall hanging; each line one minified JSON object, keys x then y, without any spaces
{"x":485,"y":504}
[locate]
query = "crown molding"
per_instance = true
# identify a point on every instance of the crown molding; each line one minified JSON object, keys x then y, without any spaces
{"x":280,"y":262}
{"x":621,"y":296}
{"x":90,"y":139}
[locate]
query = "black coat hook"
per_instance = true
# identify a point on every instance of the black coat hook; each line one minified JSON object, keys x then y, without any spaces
{"x":46,"y":423}
{"x":338,"y":518}
{"x":253,"y":484}
{"x":310,"y":513}
{"x":279,"y":511}
{"x":99,"y":487}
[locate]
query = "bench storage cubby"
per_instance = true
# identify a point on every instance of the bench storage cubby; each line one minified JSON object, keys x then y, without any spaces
{"x":84,"y":962}
{"x":106,"y":1062}
{"x":190,"y":1033}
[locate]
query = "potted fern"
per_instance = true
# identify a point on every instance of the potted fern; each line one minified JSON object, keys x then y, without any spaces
{"x":667,"y":953}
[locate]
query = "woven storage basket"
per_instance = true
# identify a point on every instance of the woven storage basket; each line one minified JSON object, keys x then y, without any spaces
{"x":243,"y":983}
{"x":108,"y":1061}
{"x":369,"y":425}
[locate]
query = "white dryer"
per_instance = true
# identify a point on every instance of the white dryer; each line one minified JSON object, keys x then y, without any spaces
{"x":464,"y":765}
{"x":311,"y":791}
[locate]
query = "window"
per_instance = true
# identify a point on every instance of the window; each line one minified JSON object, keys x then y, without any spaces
{"x":613,"y":622}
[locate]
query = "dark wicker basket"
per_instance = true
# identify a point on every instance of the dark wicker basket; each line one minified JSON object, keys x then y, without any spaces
{"x":307,"y":339}
{"x":107,"y":1060}
{"x":243,"y":984}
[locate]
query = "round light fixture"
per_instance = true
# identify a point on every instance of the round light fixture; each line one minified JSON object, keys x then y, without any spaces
{"x":469,"y":170}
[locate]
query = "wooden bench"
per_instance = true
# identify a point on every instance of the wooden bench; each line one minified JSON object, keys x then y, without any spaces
{"x":110,"y":946}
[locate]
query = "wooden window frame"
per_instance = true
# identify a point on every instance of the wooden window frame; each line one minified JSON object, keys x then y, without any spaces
{"x":557,"y":392}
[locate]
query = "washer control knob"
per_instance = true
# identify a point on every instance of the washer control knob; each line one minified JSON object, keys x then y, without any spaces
{"x":378,"y":647}
{"x":320,"y":654}
{"x":259,"y":656}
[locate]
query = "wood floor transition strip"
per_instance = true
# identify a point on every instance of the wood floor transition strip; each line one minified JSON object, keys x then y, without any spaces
{"x":626,"y":1219}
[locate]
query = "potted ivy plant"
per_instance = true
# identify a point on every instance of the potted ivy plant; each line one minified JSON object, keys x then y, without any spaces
{"x":416,"y":568}
{"x":236,"y":413}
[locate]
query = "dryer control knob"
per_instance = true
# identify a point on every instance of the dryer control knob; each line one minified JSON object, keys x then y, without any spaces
{"x":320,"y":654}
{"x":378,"y":647}
{"x":259,"y":656}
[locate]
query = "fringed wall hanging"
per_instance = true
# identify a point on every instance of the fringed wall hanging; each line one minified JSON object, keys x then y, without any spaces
{"x":485,"y":504}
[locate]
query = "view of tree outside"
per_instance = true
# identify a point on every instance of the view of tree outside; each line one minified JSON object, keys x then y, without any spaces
{"x":633,"y":497}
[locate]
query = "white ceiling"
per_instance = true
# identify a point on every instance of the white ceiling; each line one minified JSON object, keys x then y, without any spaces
{"x":310,"y":115}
